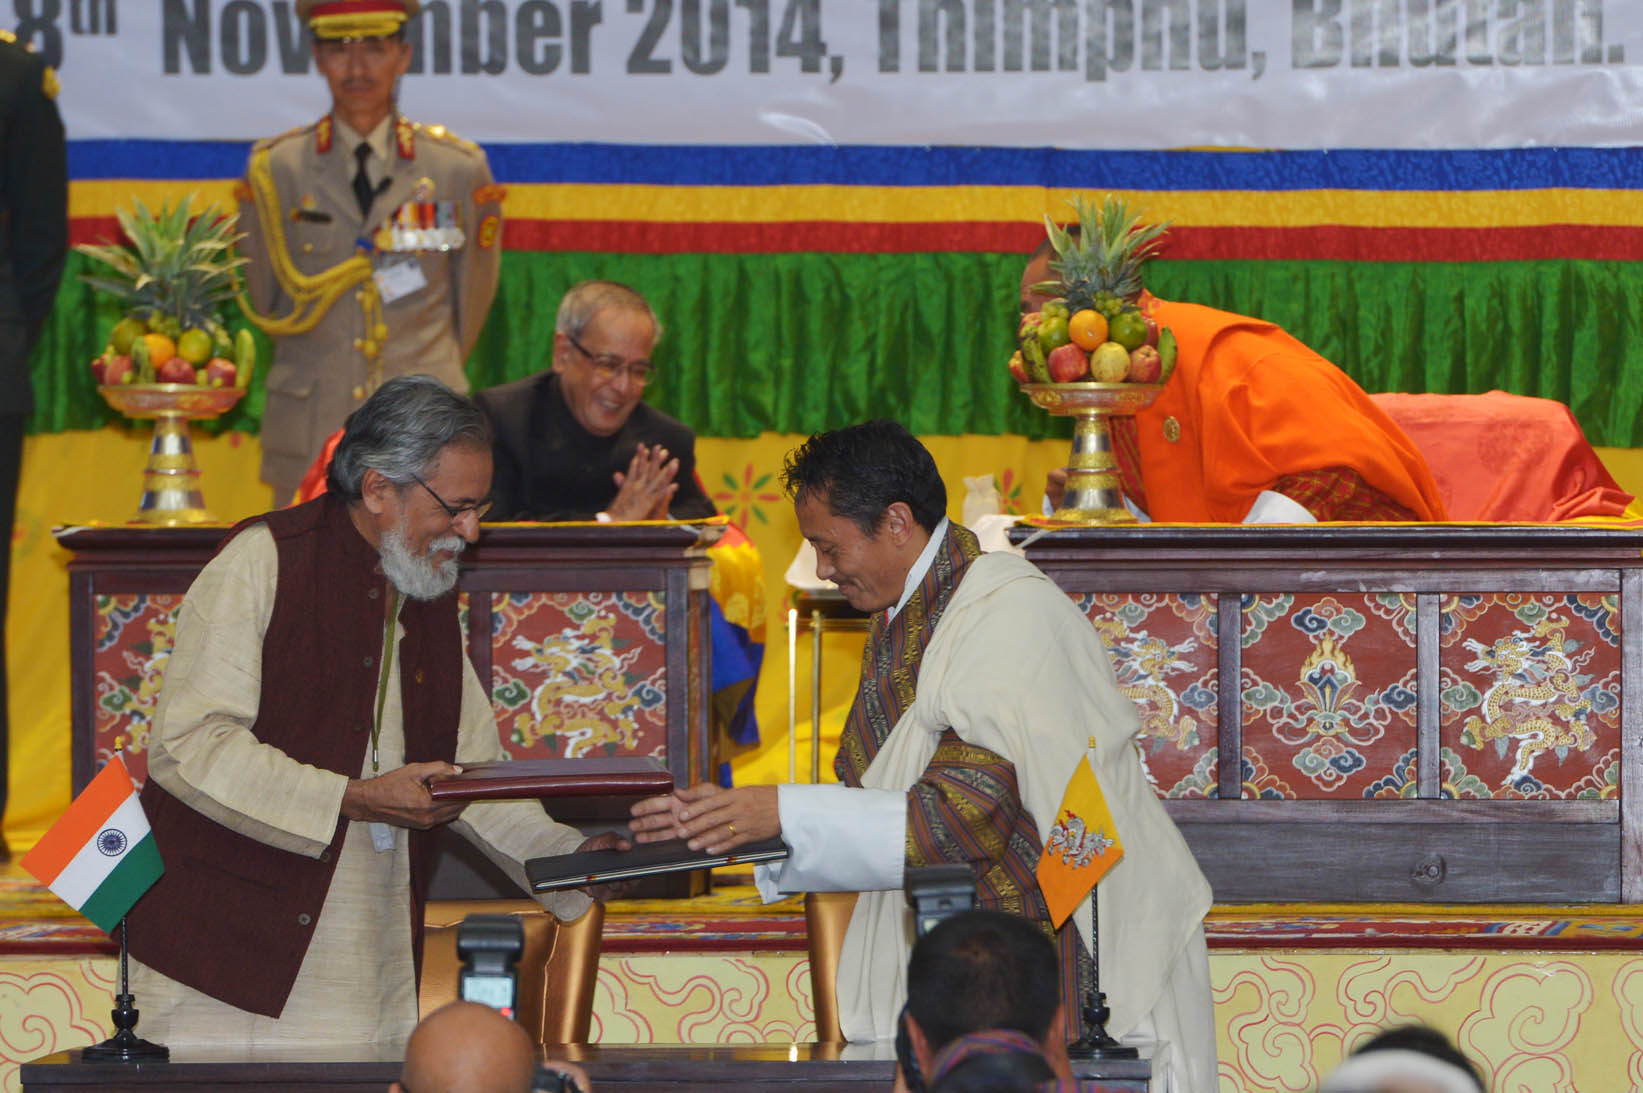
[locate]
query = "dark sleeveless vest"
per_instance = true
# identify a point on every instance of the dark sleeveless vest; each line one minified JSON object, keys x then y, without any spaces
{"x":232,"y":916}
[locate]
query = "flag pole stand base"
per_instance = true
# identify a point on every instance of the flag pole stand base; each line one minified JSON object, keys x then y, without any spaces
{"x":1096,"y":1044}
{"x":125,"y":1046}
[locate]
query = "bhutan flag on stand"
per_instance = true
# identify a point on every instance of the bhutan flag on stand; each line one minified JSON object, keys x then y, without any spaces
{"x":1082,"y":846}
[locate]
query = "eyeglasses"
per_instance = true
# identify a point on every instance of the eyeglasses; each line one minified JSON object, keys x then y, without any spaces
{"x":608,"y":366}
{"x":455,"y":512}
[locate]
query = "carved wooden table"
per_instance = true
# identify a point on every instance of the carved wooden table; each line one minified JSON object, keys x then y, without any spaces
{"x":1445,"y":713}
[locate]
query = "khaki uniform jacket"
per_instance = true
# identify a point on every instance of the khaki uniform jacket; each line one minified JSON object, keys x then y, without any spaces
{"x":319,"y":377}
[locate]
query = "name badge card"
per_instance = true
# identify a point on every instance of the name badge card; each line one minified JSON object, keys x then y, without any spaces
{"x":397,"y":279}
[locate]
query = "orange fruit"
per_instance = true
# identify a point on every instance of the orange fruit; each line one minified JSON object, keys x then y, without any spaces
{"x":160,"y":348}
{"x":1088,"y":328}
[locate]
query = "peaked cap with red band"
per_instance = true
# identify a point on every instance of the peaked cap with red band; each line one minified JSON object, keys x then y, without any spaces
{"x":356,"y":18}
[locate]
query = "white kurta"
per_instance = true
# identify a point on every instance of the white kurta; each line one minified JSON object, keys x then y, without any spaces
{"x":357,"y":981}
{"x":1013,"y":667}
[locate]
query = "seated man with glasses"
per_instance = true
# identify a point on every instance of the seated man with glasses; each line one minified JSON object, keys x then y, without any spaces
{"x":575,"y":442}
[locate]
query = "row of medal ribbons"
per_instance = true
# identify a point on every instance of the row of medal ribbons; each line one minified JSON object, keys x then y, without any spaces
{"x":422,"y":225}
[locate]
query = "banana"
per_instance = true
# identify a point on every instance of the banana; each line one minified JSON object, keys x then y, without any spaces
{"x":245,"y":355}
{"x":1167,"y":351}
{"x":1033,"y":354}
{"x":142,"y":366}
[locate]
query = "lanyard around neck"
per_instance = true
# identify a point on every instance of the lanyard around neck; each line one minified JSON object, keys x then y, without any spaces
{"x":387,"y":666}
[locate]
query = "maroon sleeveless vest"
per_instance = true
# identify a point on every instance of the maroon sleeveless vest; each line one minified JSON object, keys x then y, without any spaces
{"x":232,"y":916}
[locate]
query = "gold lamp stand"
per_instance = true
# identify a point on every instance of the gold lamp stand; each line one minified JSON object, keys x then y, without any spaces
{"x":1095,"y":493}
{"x":171,"y":478}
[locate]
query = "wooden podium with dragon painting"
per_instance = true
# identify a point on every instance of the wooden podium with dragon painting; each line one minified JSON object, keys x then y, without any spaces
{"x":1430,"y":713}
{"x":1440,"y":713}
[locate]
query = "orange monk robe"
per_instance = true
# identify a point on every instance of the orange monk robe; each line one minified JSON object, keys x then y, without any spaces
{"x":1247,"y":405}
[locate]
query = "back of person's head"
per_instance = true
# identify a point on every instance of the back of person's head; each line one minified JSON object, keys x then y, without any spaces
{"x":586,"y":299}
{"x":992,"y":1061}
{"x":464,"y":1047}
{"x":863,"y":469}
{"x":400,"y":431}
{"x":1406,"y":1059}
{"x":983,"y":970}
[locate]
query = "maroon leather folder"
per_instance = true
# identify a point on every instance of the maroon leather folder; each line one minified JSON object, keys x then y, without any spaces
{"x":529,"y":779}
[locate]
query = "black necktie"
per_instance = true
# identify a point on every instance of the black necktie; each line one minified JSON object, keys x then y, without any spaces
{"x":364,"y":192}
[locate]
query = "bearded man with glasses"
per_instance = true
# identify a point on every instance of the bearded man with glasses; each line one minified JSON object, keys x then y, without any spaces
{"x":576,"y":442}
{"x":317,"y":685}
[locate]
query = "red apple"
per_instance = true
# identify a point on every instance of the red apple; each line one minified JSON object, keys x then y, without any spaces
{"x":97,"y":364}
{"x":175,"y":370}
{"x":1145,"y":365}
{"x":1018,"y":367}
{"x":1152,"y":331}
{"x":1067,"y":363}
{"x":220,"y":372}
{"x":119,"y":370}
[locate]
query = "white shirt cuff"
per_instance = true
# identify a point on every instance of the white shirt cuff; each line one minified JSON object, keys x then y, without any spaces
{"x":1275,"y":508}
{"x":839,"y":839}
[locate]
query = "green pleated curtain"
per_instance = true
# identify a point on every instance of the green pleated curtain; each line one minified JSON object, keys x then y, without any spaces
{"x":794,"y":343}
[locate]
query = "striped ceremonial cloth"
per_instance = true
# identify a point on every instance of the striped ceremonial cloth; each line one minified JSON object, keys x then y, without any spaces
{"x":976,"y":1050}
{"x":825,"y":284}
{"x":99,"y":857}
{"x":965,"y":809}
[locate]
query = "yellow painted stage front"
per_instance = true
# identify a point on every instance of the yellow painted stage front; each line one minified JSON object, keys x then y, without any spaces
{"x":1536,"y":1023}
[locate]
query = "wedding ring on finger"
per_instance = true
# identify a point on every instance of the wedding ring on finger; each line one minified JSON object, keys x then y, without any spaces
{"x":732,"y":828}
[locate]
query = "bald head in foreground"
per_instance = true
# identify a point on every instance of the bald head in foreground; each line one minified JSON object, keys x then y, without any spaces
{"x":467,"y":1048}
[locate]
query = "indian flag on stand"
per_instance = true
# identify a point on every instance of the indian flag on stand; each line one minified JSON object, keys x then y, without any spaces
{"x":99,"y":857}
{"x":1082,"y":845}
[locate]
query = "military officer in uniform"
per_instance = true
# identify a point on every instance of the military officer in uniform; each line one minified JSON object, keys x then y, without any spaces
{"x":373,"y":242}
{"x":33,"y":246}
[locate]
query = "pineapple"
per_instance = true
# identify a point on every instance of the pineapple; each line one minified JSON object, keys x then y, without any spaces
{"x":174,"y":271}
{"x":1100,"y":265}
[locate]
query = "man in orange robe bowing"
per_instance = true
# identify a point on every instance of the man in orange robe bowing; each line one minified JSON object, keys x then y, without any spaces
{"x":1254,"y":427}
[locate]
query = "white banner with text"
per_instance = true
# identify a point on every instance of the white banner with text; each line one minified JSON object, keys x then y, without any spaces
{"x":1022,"y":73}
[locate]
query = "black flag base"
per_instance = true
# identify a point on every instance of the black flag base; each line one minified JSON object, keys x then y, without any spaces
{"x":125,"y":1046}
{"x":1096,"y":1044}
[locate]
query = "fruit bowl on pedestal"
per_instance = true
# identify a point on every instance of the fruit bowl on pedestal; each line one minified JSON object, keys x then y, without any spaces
{"x":1094,"y":494}
{"x":171,"y":479}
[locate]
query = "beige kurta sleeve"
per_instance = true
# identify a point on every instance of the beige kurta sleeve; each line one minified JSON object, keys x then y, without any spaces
{"x":202,"y":749}
{"x":508,"y":832}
